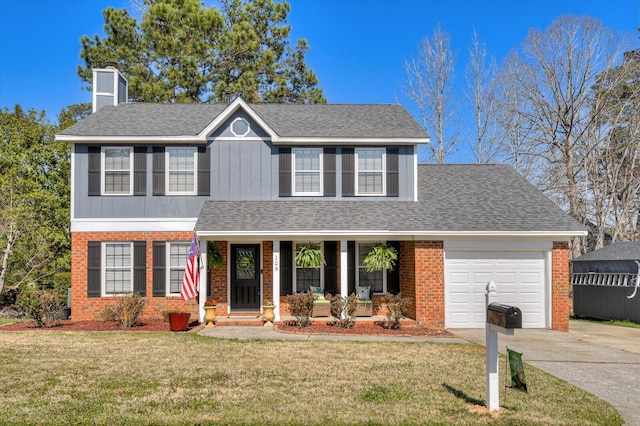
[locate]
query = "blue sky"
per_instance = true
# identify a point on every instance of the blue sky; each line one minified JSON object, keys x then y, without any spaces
{"x":358,"y":47}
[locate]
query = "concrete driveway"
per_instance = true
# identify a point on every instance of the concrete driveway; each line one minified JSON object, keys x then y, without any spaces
{"x":601,"y":359}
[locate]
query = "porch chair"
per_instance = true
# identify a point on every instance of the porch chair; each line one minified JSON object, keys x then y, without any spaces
{"x":365,"y":304}
{"x":321,"y":305}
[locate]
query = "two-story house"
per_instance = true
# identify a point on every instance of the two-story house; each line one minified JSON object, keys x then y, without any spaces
{"x":258,"y":180}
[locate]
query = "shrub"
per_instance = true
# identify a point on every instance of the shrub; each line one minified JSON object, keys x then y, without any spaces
{"x":126,"y":310}
{"x":343,"y":310}
{"x":300,"y":306}
{"x":43,"y":305}
{"x":397,"y":307}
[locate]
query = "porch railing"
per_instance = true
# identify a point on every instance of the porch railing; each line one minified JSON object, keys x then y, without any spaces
{"x":604,"y":279}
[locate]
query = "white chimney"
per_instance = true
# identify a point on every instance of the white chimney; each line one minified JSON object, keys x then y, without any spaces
{"x":109,"y":87}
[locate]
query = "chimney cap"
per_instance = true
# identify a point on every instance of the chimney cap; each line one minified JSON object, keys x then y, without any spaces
{"x":110,"y":64}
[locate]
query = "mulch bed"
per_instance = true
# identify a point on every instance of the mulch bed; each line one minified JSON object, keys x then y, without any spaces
{"x":375,"y":328}
{"x":160,"y":325}
{"x":97,"y":325}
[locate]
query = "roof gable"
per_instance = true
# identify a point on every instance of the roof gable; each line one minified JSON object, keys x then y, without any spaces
{"x":284,"y":123}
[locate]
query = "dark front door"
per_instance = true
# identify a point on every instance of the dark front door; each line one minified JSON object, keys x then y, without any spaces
{"x":245,"y":277}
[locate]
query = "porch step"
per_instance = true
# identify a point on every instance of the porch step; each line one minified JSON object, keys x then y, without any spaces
{"x":241,"y":320}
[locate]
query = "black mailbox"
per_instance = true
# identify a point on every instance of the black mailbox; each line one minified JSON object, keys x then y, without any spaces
{"x":504,"y":316}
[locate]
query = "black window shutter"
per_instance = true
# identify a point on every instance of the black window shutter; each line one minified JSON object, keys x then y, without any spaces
{"x":94,"y":170}
{"x":204,"y":170}
{"x":286,"y":264}
{"x":285,"y":171}
{"x":393,"y":186}
{"x":158,"y":170}
{"x":393,"y":277}
{"x":329,"y":172}
{"x":352,"y":266}
{"x":140,"y":170}
{"x":331,"y":268}
{"x":94,"y":260}
{"x":140,"y":267}
{"x":348,"y":172}
{"x":159,"y":269}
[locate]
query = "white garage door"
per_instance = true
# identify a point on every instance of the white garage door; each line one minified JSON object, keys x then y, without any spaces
{"x":520,"y":278}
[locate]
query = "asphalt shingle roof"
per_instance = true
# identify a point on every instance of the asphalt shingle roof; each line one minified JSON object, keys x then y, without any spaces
{"x":287,"y":120}
{"x":452,"y":198}
{"x":620,"y":250}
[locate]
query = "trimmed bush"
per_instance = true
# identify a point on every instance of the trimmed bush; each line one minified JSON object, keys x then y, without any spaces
{"x":301,"y":306}
{"x":343,"y":310}
{"x":397,"y":307}
{"x":125,"y":310}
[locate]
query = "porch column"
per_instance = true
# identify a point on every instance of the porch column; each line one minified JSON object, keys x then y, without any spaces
{"x":204,"y":280}
{"x":344,"y":269}
{"x":276,"y":279}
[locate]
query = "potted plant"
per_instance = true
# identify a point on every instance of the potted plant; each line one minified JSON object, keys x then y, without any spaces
{"x":380,"y":257}
{"x":309,"y":256}
{"x":210,"y":312}
{"x":268,"y":308}
{"x":179,"y":321}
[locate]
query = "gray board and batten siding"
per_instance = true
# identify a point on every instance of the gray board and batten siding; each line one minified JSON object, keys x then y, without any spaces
{"x":241,"y":169}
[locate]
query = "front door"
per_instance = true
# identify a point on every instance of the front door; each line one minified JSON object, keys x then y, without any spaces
{"x":245,"y":277}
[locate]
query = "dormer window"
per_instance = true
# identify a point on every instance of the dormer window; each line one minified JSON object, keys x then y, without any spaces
{"x":240,"y":127}
{"x":117,"y":166}
{"x":307,"y":171}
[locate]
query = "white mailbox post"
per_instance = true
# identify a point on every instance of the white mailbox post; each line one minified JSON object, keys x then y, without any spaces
{"x":493,"y":379}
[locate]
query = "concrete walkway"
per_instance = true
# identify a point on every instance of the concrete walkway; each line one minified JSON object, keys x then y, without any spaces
{"x":601,"y":359}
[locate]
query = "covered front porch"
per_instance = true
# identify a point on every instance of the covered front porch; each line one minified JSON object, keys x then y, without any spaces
{"x":249,"y":272}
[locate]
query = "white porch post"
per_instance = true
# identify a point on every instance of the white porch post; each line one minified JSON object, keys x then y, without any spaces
{"x":276,"y":279}
{"x":344,"y":269}
{"x":204,"y":280}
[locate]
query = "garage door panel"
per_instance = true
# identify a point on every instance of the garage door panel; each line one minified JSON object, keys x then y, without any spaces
{"x":520,"y":278}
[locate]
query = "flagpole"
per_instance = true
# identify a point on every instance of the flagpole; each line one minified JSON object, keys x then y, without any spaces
{"x":203,"y":284}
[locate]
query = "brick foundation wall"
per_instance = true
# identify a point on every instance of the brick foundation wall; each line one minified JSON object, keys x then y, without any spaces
{"x":90,"y":308}
{"x":561,"y":302}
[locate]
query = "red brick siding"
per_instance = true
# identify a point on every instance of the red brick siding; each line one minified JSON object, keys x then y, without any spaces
{"x":85,"y":308}
{"x":561,"y":302}
{"x":219,"y":281}
{"x":267,"y":268}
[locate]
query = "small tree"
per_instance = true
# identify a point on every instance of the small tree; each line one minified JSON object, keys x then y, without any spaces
{"x":43,"y":305}
{"x":343,"y":310}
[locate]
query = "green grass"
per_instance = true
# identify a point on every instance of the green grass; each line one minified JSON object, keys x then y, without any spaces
{"x":619,"y":323}
{"x":4,"y":321}
{"x":52,"y":377}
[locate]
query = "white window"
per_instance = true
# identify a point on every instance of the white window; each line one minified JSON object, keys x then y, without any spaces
{"x":307,"y":171}
{"x":181,"y":171}
{"x":117,"y":170}
{"x":118,"y":268}
{"x":377,"y":280}
{"x":370,"y":171}
{"x":305,"y":278}
{"x":178,"y":253}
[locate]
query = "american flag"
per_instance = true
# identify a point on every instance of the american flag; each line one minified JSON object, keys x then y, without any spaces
{"x":191,"y":276}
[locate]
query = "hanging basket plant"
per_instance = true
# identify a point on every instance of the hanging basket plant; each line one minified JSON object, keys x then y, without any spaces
{"x":310,"y":256}
{"x":214,"y":256}
{"x":381,"y":257}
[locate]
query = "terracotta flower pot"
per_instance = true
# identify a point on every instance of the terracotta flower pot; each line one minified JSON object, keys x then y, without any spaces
{"x":179,"y":321}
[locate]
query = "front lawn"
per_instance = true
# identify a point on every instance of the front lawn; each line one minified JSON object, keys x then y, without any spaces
{"x":170,"y":378}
